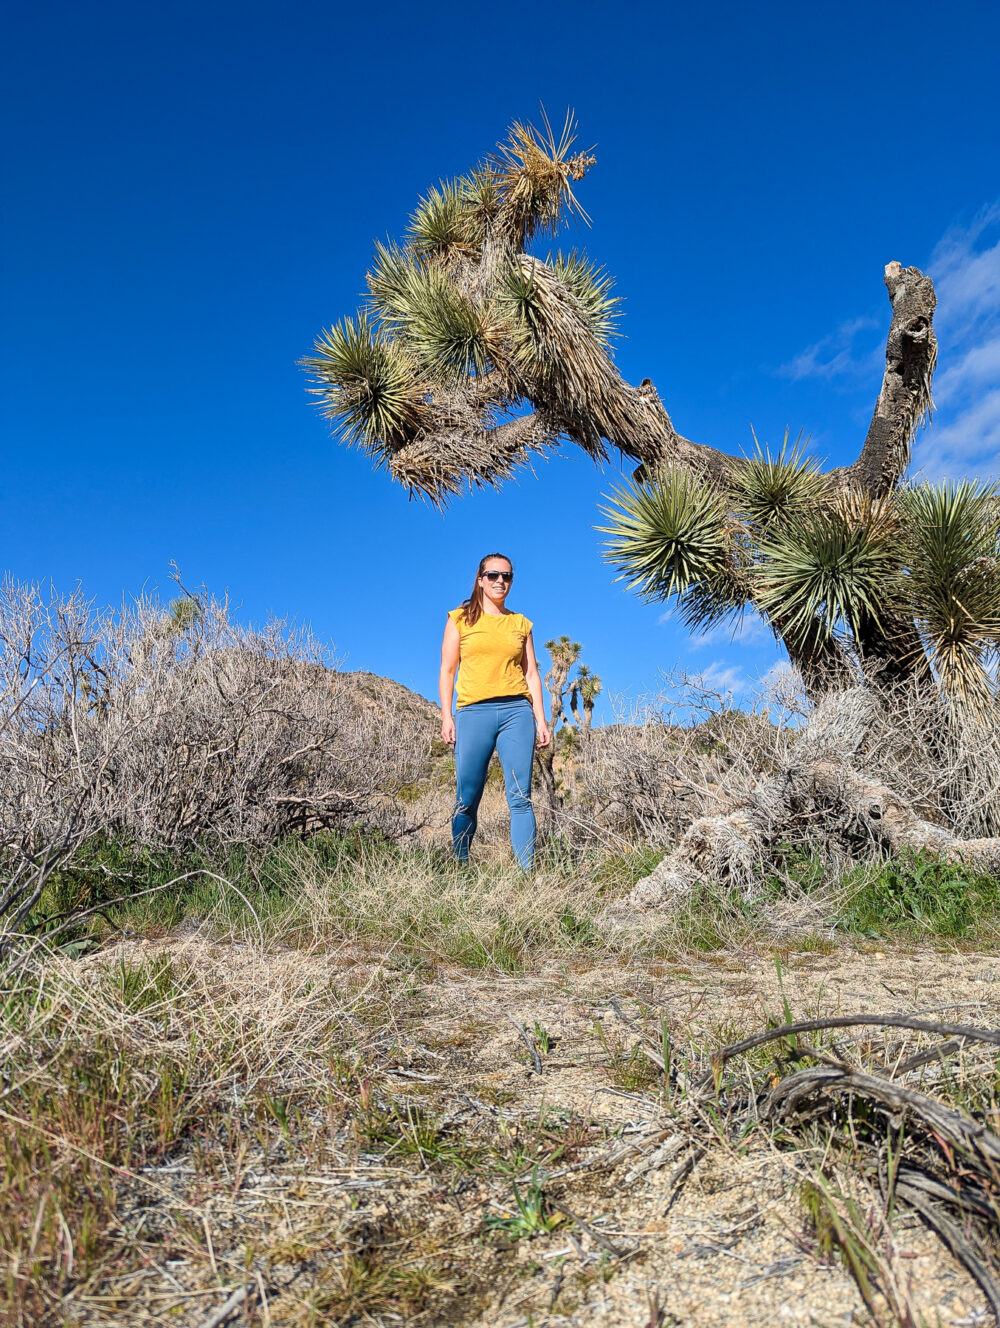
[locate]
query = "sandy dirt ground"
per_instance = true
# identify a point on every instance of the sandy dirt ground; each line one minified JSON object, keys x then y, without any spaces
{"x":649,"y":1227}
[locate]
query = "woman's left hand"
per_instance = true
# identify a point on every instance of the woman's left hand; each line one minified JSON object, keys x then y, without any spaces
{"x":542,"y":735}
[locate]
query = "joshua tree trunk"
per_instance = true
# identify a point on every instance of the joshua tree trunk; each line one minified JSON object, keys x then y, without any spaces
{"x":564,"y":653}
{"x":544,"y":758}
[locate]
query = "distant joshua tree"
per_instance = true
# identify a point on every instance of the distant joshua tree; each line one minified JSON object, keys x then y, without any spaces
{"x":585,"y":687}
{"x":564,"y":654}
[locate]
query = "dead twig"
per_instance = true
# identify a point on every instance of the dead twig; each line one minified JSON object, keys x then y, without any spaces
{"x":532,"y":1050}
{"x":229,"y":1307}
{"x":595,"y":1236}
{"x":955,"y":1241}
{"x":992,"y":1036}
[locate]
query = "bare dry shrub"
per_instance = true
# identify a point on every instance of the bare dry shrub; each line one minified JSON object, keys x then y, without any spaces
{"x":940,"y":758}
{"x":166,"y":729}
{"x":860,"y":773}
{"x":670,"y":755}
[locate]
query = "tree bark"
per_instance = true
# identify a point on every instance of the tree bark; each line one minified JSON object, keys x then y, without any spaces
{"x":544,"y":762}
{"x":905,"y":397}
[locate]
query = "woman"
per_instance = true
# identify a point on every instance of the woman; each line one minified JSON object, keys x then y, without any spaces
{"x":499,"y":705}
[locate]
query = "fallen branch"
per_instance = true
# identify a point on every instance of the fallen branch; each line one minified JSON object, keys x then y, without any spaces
{"x":952,"y":1237}
{"x":816,"y":784}
{"x":992,"y":1036}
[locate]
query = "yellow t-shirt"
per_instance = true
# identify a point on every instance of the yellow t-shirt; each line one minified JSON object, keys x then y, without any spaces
{"x":489,"y":656}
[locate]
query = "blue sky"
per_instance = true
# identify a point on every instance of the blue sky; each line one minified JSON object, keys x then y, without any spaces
{"x":193,"y":191}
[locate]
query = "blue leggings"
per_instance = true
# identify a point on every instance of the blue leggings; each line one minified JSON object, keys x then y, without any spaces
{"x":509,"y":726}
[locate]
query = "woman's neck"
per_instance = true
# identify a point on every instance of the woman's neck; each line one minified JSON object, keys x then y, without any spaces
{"x":490,"y":607}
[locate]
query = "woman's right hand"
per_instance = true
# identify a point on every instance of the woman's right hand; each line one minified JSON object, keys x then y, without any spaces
{"x":448,"y":730}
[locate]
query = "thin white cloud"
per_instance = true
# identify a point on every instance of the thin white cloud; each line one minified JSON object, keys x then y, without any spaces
{"x":978,"y":366}
{"x":967,"y":445}
{"x":743,"y":631}
{"x":836,"y":355}
{"x":966,"y":271}
{"x":721,"y":677}
{"x":965,"y":436}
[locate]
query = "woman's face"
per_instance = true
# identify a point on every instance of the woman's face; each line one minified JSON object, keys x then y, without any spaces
{"x":495,"y":587}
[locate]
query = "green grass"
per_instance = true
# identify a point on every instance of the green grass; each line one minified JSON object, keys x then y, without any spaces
{"x":338,"y":888}
{"x":335,"y":888}
{"x":140,"y":985}
{"x":920,"y":896}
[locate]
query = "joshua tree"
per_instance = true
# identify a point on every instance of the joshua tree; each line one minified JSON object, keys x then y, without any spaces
{"x":472,"y":351}
{"x":564,"y":654}
{"x":587,"y":686}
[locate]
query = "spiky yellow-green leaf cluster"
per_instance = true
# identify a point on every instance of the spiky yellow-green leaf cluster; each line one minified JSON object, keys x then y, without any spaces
{"x":953,"y":582}
{"x":769,"y":487}
{"x":818,"y":570}
{"x":444,"y":222}
{"x":461,"y":325}
{"x":918,"y":569}
{"x":671,"y":538}
{"x":369,"y":386}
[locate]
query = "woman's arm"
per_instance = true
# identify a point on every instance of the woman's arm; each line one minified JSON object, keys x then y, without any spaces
{"x":532,"y":678}
{"x":446,"y":682}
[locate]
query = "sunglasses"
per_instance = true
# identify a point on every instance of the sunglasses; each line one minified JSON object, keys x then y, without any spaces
{"x":506,"y":577}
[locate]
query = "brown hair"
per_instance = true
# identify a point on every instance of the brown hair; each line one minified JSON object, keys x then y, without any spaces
{"x":473,"y":606}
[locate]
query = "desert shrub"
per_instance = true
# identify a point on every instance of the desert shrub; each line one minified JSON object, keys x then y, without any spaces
{"x":168,"y":729}
{"x":796,"y":791}
{"x":646,"y":777}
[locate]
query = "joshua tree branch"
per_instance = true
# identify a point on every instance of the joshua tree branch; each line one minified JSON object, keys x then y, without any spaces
{"x":642,"y":428}
{"x":439,"y":461}
{"x":905,"y":398}
{"x":597,"y":407}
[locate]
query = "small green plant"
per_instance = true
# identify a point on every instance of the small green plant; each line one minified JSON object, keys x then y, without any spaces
{"x":842,"y":1231}
{"x":543,"y":1040}
{"x":580,"y":932}
{"x":630,"y":1068}
{"x":532,"y":1215}
{"x":143,"y":985}
{"x":376,"y":1123}
{"x":919,"y":894}
{"x":617,"y":873}
{"x":277,"y":1107}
